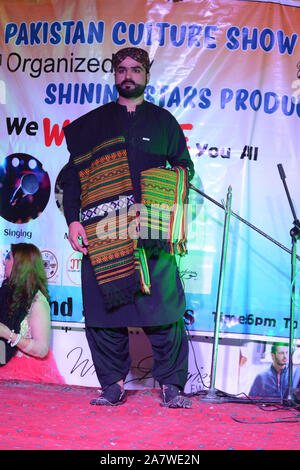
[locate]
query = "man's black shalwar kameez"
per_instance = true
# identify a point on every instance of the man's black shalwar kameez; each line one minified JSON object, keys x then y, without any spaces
{"x":153,"y":139}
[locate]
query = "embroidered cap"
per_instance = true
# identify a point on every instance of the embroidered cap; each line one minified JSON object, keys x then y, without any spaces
{"x":140,"y":55}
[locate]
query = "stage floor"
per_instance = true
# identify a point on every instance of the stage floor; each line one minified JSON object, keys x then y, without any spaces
{"x":52,"y":417}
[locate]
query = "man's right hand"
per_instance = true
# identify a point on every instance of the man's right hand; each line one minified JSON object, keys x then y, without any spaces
{"x":76,"y":230}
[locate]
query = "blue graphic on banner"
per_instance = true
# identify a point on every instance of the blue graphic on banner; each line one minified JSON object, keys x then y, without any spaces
{"x":66,"y":304}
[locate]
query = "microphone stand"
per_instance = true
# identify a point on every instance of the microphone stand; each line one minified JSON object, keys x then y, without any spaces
{"x":211,"y":394}
{"x":295,"y":234}
{"x":209,"y":198}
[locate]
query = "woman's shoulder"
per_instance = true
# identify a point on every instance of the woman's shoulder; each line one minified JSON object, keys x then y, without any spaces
{"x":40,"y":300}
{"x":40,"y":296}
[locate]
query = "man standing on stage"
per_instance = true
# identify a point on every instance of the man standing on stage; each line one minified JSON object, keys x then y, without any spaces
{"x":118,"y":158}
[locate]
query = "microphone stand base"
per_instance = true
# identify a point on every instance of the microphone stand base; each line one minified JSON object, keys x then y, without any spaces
{"x":212,"y":397}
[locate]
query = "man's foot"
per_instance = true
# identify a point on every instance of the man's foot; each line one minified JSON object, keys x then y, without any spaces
{"x":113,"y":395}
{"x":173,"y":397}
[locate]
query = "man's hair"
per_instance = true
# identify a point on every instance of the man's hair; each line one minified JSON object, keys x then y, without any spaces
{"x":275,"y":346}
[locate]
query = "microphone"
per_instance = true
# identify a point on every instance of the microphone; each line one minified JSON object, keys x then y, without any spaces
{"x":281,"y":171}
{"x":29,"y":185}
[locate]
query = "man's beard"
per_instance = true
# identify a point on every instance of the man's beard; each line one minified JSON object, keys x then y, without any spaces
{"x":132,"y":92}
{"x":280,"y":362}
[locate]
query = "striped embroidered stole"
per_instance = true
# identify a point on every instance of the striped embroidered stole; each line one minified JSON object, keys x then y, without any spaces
{"x":165,"y":196}
{"x":117,"y":230}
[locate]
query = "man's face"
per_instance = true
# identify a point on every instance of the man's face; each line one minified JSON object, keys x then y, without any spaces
{"x":280,"y":358}
{"x":131,"y":78}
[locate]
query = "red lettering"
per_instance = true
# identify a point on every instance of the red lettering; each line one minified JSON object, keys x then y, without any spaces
{"x":55,"y":133}
{"x":188,"y":127}
{"x":75,"y":263}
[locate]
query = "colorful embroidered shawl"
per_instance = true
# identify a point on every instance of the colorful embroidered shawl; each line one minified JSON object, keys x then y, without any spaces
{"x":120,"y":232}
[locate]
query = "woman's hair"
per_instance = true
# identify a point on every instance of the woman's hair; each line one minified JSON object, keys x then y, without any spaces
{"x":27,"y":276}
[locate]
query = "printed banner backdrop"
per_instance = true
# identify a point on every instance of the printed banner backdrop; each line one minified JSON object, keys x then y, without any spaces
{"x":230,"y":74}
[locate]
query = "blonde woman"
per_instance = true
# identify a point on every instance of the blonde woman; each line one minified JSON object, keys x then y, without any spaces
{"x":25,"y":318}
